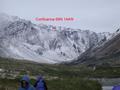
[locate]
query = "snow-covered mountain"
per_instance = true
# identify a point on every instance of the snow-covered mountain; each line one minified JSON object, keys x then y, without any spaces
{"x":22,"y":39}
{"x":106,"y":54}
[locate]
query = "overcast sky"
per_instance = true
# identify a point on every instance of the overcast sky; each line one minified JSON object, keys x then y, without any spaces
{"x":95,"y":15}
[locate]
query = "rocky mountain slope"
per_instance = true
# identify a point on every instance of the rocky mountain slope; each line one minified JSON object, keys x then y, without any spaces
{"x":22,"y":39}
{"x":107,"y":53}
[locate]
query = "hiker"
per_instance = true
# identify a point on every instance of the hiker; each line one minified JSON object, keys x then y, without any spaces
{"x":25,"y":84}
{"x":116,"y":87}
{"x":40,"y":84}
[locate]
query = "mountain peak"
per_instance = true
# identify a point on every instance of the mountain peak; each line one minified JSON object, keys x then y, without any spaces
{"x":22,"y":39}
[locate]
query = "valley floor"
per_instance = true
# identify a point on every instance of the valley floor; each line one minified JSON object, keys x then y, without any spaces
{"x":58,"y":77}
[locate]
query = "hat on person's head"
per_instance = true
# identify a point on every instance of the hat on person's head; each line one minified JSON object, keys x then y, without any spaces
{"x":26,"y":78}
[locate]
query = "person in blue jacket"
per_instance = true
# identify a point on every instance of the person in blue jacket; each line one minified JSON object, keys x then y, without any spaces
{"x":25,"y":84}
{"x":40,"y":84}
{"x":116,"y":87}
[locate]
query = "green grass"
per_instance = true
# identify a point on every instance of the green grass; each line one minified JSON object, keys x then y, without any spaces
{"x":56,"y":84}
{"x":62,"y":71}
{"x":106,"y":72}
{"x":7,"y":84}
{"x":73,"y":84}
{"x":69,"y":77}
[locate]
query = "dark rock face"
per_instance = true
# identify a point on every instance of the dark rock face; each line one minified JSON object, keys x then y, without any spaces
{"x":107,"y":53}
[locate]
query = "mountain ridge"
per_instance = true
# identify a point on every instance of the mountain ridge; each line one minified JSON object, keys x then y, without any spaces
{"x":22,"y":39}
{"x":106,"y":54}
